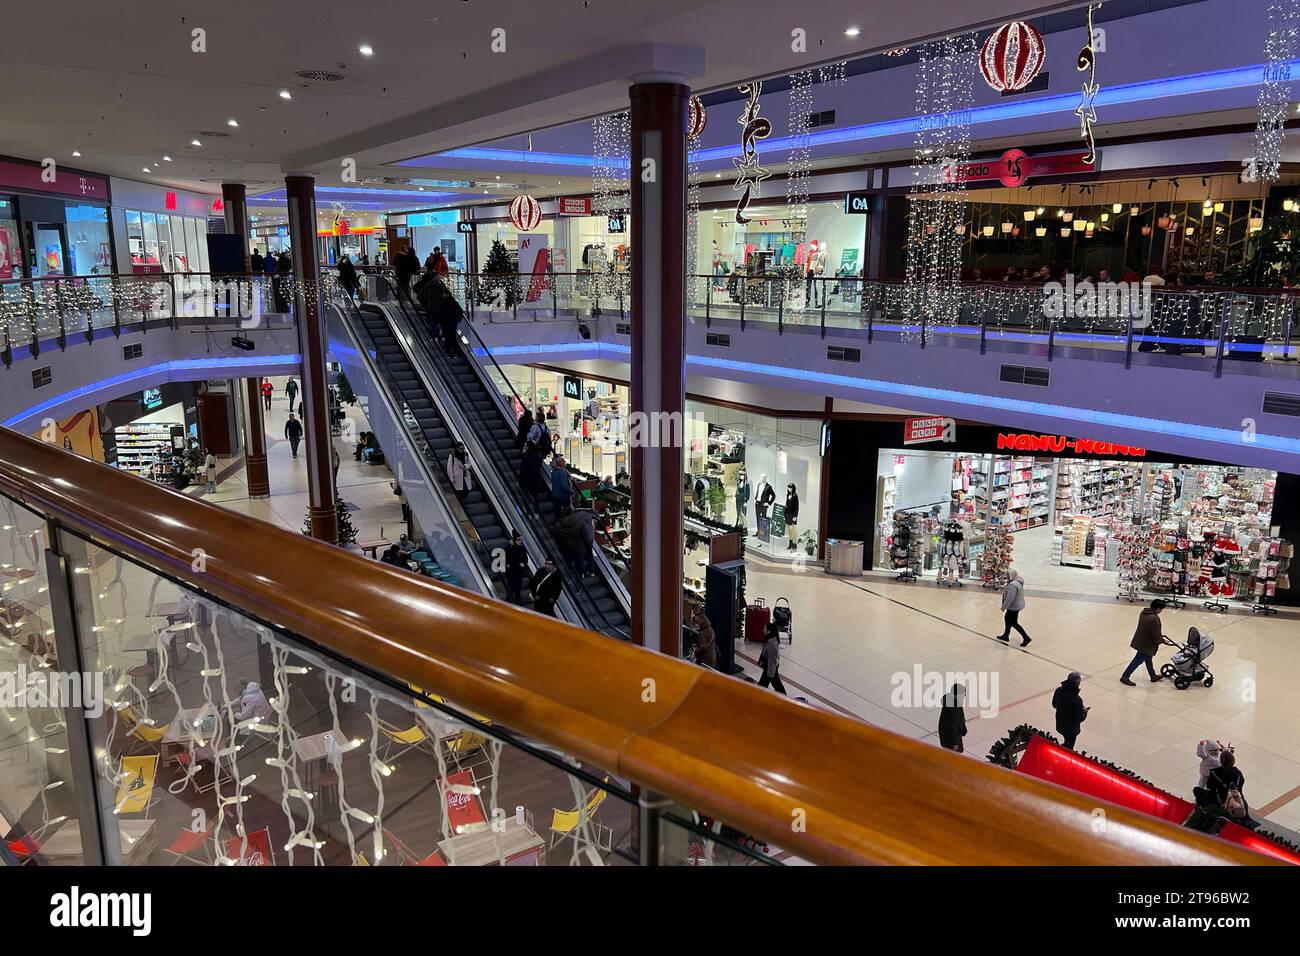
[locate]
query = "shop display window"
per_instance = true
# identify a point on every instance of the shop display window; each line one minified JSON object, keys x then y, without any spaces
{"x":89,"y":250}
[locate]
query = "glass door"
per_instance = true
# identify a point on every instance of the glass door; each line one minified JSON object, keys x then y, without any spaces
{"x":51,"y":248}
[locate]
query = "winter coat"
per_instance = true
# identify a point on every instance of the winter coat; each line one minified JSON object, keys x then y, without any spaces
{"x":587,"y":525}
{"x":766,"y":497}
{"x":1070,"y":712}
{"x":792,"y":508}
{"x":348,"y":276}
{"x":952,"y":724}
{"x":561,"y":486}
{"x":568,"y":535}
{"x":1211,"y":754}
{"x":1223,"y":779}
{"x":1148,"y":637}
{"x":771,"y":656}
{"x":530,"y":469}
{"x":1013,"y":597}
{"x":516,"y":562}
{"x":706,"y":646}
{"x":269,"y":265}
{"x":742,"y":495}
{"x":546,"y":587}
{"x":255,"y":262}
{"x":210,"y":466}
{"x":459,"y":473}
{"x":525,"y":426}
{"x":293,"y":429}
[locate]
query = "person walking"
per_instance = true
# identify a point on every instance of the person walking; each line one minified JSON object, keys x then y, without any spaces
{"x":440,"y":267}
{"x":1070,"y":712}
{"x":462,"y":482}
{"x":586,"y":518}
{"x":1146,"y":642}
{"x":348,"y":277}
{"x":546,"y":586}
{"x":568,"y":535}
{"x":706,"y":641}
{"x":770,"y":660}
{"x":402,"y":273}
{"x":1013,"y":602}
{"x":255,"y":262}
{"x":561,"y":484}
{"x":291,"y":390}
{"x":446,"y":312}
{"x":952,"y":719}
{"x":516,"y":568}
{"x":293,"y":432}
{"x":267,"y":389}
{"x":210,"y":470}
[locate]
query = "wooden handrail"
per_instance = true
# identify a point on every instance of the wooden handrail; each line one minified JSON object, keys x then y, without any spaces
{"x":747,"y":756}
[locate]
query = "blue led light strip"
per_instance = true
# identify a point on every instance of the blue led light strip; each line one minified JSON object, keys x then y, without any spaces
{"x":150,"y":371}
{"x":1138,"y":92}
{"x":1221,"y":436}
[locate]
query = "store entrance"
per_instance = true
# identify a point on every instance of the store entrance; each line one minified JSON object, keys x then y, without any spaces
{"x":49,"y":249}
{"x":1118,"y":528}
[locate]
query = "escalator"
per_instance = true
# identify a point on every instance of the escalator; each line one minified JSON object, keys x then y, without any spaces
{"x":600,"y":596}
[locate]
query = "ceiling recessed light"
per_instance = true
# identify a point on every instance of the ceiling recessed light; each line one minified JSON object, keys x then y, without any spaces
{"x":286,"y":95}
{"x":167,"y":159}
{"x":232,"y":122}
{"x":852,"y":32}
{"x":146,"y":169}
{"x":76,"y":152}
{"x":717,"y":175}
{"x":366,"y":50}
{"x":195,"y":142}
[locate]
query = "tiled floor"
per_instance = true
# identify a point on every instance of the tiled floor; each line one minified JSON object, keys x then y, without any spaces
{"x":853,"y":636}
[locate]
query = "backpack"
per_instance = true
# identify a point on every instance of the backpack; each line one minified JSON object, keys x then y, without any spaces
{"x":1234,"y":804}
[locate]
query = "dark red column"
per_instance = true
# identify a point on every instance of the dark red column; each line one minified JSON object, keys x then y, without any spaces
{"x":234,"y":198}
{"x":300,"y":192}
{"x":658,"y":124}
{"x":255,"y":473}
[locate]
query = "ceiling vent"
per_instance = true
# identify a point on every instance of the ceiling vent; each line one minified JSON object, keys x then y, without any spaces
{"x":320,"y":76}
{"x":720,"y":339}
{"x":1026,"y":375}
{"x":1281,"y":403}
{"x":212,"y":133}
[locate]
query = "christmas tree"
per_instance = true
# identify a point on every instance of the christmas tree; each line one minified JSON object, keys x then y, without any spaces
{"x":498,"y":289}
{"x":343,"y":518}
{"x":345,"y":393}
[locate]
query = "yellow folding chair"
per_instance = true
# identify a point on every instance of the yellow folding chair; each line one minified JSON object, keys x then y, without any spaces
{"x":144,"y":731}
{"x":412,"y":738}
{"x":567,"y":823}
{"x":135,"y":792}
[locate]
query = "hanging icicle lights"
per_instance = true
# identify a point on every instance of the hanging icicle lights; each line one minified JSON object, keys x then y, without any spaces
{"x":800,"y":165}
{"x":611,"y":159}
{"x":697,"y":118}
{"x":1274,"y":91}
{"x":944,"y":93}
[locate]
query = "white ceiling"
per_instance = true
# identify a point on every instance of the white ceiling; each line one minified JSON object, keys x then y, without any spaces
{"x":120,"y":82}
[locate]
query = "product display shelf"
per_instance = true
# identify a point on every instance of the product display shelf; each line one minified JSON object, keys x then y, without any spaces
{"x":995,"y":559}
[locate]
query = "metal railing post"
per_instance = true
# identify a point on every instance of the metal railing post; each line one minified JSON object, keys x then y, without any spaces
{"x":649,"y":838}
{"x":984,"y":328}
{"x":780,"y":307}
{"x":871,"y":315}
{"x":708,"y":304}
{"x":744,"y":294}
{"x":1223,"y":334}
{"x":58,"y":307}
{"x":1128,"y":342}
{"x":621,"y":314}
{"x":95,"y":850}
{"x":114,"y":296}
{"x":824,"y":298}
{"x":1051,"y":337}
{"x":555,"y":311}
{"x":1286,"y":340}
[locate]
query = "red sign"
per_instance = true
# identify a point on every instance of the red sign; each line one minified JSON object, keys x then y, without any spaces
{"x":170,"y":202}
{"x":575,"y":206}
{"x":1015,"y":167}
{"x":918,"y":431}
{"x":463,"y":809}
{"x":52,"y":179}
{"x":218,"y":206}
{"x":1059,"y":443}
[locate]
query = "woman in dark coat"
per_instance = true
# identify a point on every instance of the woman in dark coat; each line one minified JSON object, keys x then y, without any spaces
{"x":516,"y":568}
{"x":1070,"y":712}
{"x":952,"y":719}
{"x":530,"y":472}
{"x":525,"y":425}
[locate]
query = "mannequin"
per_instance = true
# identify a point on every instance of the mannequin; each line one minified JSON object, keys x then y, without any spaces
{"x":764,"y":495}
{"x":742,"y":497}
{"x":791,"y":516}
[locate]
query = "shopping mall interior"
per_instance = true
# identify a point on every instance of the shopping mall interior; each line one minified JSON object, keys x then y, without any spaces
{"x":662,"y":435}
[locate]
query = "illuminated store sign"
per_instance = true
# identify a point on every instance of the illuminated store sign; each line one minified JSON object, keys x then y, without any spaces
{"x":918,"y":431}
{"x":1059,"y":443}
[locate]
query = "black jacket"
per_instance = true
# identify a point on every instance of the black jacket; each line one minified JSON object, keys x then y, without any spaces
{"x":1148,"y":637}
{"x":568,"y":535}
{"x":792,"y":508}
{"x":1223,"y":779}
{"x":525,"y":423}
{"x":1070,"y":712}
{"x":952,"y":725}
{"x":516,"y":562}
{"x":546,"y":586}
{"x":292,"y":429}
{"x":348,"y":276}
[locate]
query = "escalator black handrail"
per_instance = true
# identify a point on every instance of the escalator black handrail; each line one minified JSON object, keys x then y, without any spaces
{"x":577,"y":587}
{"x":435,"y":472}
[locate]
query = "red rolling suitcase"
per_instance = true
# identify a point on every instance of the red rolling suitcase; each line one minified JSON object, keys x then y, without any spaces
{"x":757,"y":617}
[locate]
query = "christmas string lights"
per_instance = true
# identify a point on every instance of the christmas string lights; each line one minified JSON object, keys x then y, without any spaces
{"x":944,"y":94}
{"x":750,"y":174}
{"x":1274,"y":91}
{"x":611,"y":195}
{"x":799,"y":170}
{"x":1086,"y":110}
{"x":697,"y":117}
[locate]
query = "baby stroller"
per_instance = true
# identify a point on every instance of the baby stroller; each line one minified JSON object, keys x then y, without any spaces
{"x":1188,"y":665}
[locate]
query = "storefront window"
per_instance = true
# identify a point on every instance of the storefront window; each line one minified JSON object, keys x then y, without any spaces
{"x":88,"y":242}
{"x":11,"y":260}
{"x":151,"y":257}
{"x":180,"y":247}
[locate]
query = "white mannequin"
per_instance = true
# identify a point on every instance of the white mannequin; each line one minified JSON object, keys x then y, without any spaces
{"x":761,"y":490}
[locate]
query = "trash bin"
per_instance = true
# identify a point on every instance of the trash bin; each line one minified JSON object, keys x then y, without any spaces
{"x":844,"y":557}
